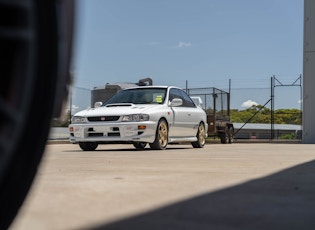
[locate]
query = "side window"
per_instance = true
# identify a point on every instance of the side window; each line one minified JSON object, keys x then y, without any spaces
{"x":187,"y":101}
{"x":177,"y":93}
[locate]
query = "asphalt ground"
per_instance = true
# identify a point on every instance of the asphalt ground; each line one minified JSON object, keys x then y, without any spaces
{"x":231,"y":186}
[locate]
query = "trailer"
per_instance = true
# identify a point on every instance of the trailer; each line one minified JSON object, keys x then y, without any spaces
{"x":216,"y":103}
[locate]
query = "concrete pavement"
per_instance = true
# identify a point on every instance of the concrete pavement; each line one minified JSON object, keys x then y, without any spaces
{"x":238,"y":186}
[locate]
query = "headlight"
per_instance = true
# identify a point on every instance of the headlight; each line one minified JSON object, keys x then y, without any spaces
{"x":77,"y":119}
{"x":136,"y":117}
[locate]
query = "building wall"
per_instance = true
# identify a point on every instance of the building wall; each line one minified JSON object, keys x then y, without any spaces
{"x":308,"y":136}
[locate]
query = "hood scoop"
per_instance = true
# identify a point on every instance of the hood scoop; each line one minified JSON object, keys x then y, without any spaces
{"x":120,"y":105}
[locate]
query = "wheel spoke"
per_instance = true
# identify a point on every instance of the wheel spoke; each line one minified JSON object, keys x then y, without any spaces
{"x":162,"y":134}
{"x":202,"y":134}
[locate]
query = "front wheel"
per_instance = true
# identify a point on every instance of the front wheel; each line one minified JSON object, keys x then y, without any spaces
{"x":88,"y":146}
{"x":161,"y":136}
{"x":201,"y":137}
{"x":139,"y":145}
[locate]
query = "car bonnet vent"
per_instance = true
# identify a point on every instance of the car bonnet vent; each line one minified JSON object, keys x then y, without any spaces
{"x":119,"y":105}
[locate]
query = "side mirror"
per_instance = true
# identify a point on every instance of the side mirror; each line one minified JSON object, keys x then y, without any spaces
{"x":98,"y":104}
{"x":176,"y":102}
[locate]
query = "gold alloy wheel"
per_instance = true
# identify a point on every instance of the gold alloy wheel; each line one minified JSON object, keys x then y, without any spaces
{"x":202,"y":134}
{"x":201,"y":137}
{"x":162,"y":132}
{"x":161,"y":136}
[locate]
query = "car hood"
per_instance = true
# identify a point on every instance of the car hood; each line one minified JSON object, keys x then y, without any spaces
{"x":116,"y":109}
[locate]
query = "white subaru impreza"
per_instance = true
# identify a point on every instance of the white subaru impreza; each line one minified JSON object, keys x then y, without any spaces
{"x":154,"y":115}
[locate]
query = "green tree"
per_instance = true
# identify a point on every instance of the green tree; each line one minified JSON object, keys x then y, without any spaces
{"x":281,"y":116}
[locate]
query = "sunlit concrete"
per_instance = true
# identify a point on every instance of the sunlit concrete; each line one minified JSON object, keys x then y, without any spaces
{"x":221,"y":186}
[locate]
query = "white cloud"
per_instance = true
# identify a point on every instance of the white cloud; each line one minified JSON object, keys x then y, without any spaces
{"x":249,"y":103}
{"x":183,"y":44}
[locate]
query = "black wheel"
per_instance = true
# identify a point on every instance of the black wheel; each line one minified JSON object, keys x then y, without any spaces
{"x":161,"y":136}
{"x":35,"y":44}
{"x":88,"y":146}
{"x":139,"y":145}
{"x":231,"y":135}
{"x":201,"y":137}
{"x":224,"y":136}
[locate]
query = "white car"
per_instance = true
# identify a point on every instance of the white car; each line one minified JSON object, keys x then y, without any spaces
{"x":154,"y":115}
{"x":197,"y":101}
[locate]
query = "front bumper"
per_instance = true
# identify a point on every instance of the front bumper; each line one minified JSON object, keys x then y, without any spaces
{"x":113,"y":132}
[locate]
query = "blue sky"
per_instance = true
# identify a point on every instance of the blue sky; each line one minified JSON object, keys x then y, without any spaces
{"x":203,"y":42}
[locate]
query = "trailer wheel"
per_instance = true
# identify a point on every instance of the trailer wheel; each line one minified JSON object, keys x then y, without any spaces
{"x":231,"y":135}
{"x":224,"y":136}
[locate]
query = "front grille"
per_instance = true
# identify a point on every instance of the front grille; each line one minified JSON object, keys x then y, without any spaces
{"x":95,"y":134}
{"x":113,"y":134}
{"x":103,"y":118}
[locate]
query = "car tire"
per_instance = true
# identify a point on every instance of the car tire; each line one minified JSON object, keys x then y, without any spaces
{"x":35,"y":44}
{"x":88,"y":146}
{"x":201,"y":137}
{"x":161,"y":136}
{"x":139,"y":145}
{"x":231,"y":135}
{"x":224,"y":136}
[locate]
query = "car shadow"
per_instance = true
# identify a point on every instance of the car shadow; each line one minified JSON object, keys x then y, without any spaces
{"x":101,"y":148}
{"x":284,"y":200}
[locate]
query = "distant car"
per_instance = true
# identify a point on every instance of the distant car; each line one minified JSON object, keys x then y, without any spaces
{"x":154,"y":115}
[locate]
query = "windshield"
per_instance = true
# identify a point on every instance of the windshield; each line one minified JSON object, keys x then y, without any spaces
{"x":139,"y":96}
